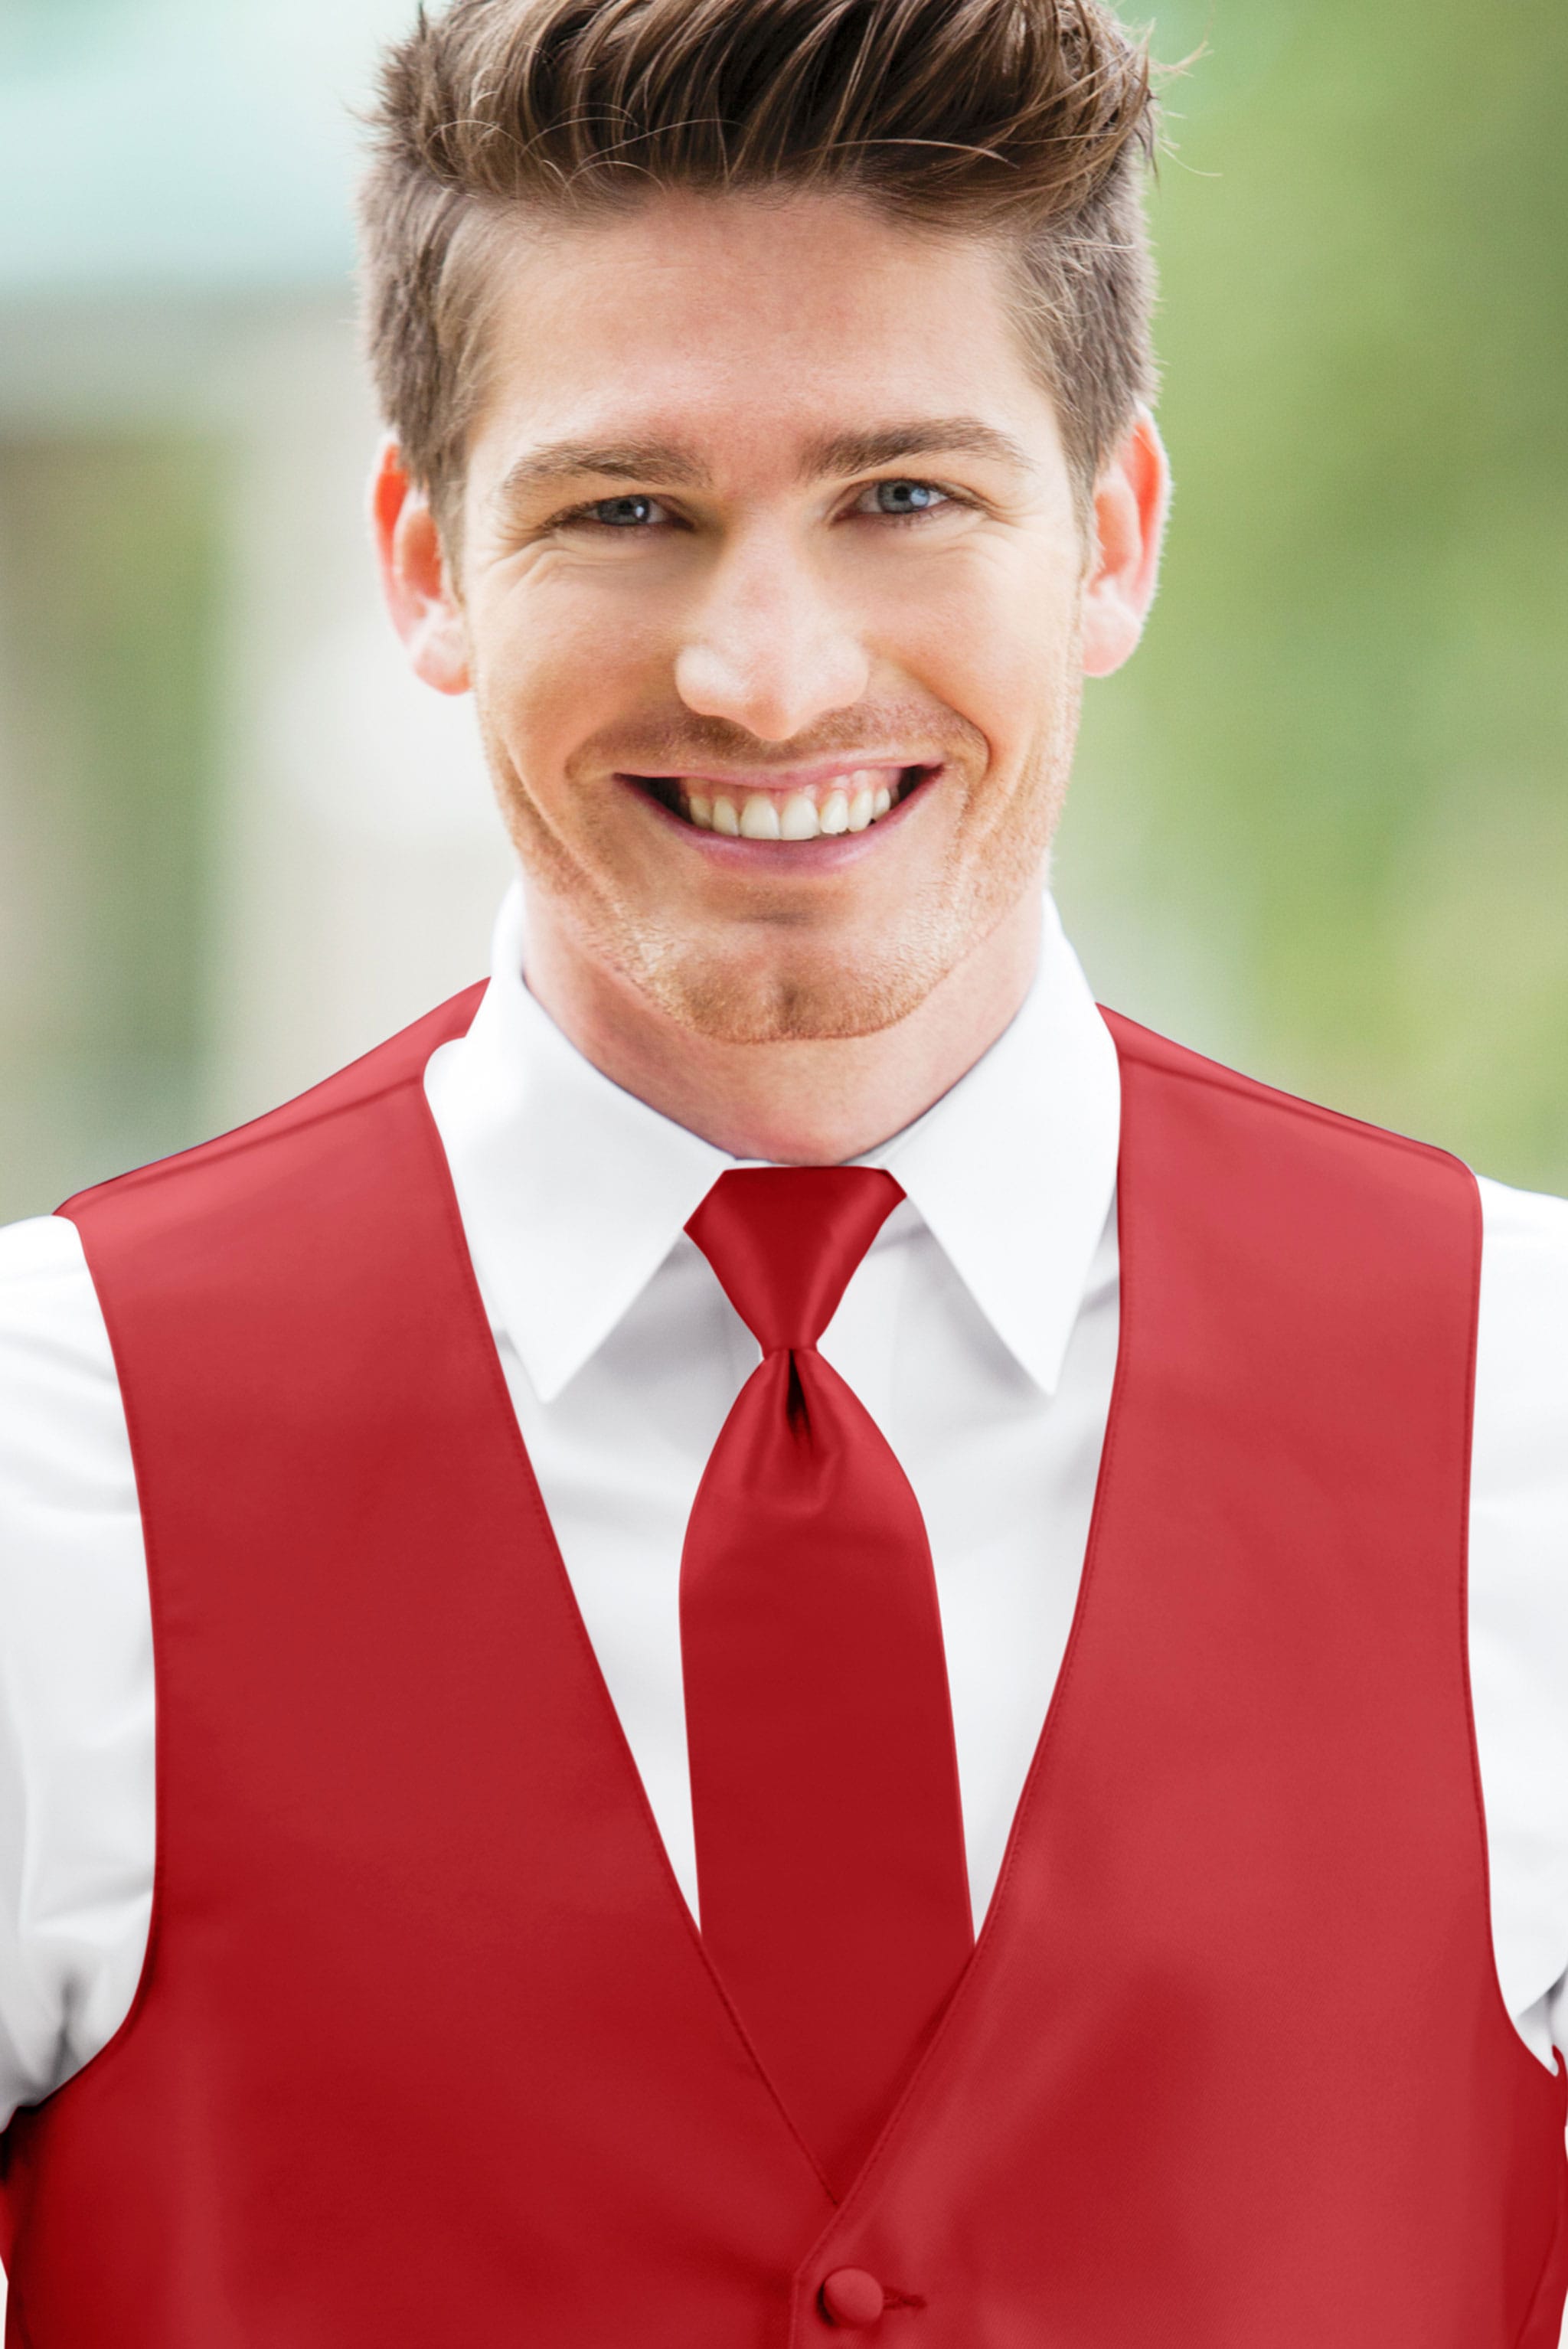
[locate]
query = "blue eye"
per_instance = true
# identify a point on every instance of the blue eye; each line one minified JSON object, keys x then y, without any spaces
{"x":906,"y":497}
{"x":625,"y":513}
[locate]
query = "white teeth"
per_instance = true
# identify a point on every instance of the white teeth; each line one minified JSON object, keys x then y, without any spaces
{"x":860,"y":798}
{"x":759,"y":818}
{"x":798,"y":817}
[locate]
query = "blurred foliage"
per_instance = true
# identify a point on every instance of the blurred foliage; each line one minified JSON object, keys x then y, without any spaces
{"x":1320,"y":824}
{"x":109,"y":595}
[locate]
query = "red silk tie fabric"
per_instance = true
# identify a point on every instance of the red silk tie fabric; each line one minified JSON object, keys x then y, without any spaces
{"x":829,"y":1840}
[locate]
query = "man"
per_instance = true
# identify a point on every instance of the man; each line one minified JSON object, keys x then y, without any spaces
{"x":593,"y":1718}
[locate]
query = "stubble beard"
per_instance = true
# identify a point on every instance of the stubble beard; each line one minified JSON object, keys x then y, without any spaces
{"x":779,"y":979}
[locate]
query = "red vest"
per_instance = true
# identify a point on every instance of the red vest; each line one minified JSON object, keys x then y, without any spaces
{"x":427,"y":2053}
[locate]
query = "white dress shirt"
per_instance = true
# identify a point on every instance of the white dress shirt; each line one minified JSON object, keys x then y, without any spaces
{"x":980,"y":1332}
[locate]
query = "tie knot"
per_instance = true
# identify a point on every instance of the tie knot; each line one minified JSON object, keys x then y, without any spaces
{"x":784,"y":1241}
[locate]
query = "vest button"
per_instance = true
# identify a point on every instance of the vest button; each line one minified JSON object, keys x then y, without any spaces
{"x":854,"y":2299}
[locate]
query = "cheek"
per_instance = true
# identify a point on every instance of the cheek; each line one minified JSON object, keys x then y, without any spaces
{"x":1000,"y":647}
{"x":552,"y":663}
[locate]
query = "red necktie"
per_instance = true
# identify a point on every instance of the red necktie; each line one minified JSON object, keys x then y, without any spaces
{"x":830,"y":1842}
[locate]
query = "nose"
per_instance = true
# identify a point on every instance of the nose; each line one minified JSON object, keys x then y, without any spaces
{"x":769,"y":648}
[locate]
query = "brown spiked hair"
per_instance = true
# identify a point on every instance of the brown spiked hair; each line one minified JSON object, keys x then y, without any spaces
{"x":1030,"y":120}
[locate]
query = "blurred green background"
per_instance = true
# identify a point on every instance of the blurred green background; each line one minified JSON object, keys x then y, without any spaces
{"x":1321,"y":823}
{"x":1320,"y":827}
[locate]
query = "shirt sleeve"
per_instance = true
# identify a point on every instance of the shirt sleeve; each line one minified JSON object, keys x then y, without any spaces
{"x":1518,"y":1599}
{"x":77,"y":1788}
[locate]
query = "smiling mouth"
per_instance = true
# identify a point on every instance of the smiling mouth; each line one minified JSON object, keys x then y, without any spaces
{"x":851,"y":800}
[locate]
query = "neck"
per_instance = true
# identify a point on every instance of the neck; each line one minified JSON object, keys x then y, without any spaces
{"x":804,"y":1102}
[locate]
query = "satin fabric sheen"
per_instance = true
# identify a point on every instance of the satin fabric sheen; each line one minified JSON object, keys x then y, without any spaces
{"x":382,"y":1730}
{"x":830,"y":1835}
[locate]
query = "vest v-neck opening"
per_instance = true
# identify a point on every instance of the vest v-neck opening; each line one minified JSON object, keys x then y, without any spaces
{"x":970,"y":1985}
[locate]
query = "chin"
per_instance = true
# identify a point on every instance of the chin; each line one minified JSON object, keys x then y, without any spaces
{"x":752,"y":999}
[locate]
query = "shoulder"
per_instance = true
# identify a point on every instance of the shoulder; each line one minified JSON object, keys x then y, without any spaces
{"x":235,"y":1168}
{"x":64,"y":1456}
{"x":1522,"y":1371}
{"x":1383,"y":1209}
{"x":1526,"y":1230}
{"x":76,"y":1705}
{"x":1143,"y":1050}
{"x":1518,"y":1581}
{"x":51,"y":1331}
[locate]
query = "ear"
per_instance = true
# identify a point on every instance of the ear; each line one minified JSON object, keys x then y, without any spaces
{"x":415,"y":579}
{"x":1131,"y":500}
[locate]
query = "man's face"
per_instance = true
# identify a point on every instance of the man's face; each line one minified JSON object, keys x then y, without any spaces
{"x":772,"y":597}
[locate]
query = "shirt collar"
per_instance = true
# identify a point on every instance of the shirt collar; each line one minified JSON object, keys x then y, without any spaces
{"x":573,"y":1191}
{"x":1014,"y":1170}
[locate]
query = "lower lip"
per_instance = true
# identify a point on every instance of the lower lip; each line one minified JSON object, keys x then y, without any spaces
{"x":829,"y":852}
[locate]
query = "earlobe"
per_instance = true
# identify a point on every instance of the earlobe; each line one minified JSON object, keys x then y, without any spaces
{"x":1132,"y":499}
{"x":415,"y":581}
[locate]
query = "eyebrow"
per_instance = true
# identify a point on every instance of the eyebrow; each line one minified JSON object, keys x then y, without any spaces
{"x":837,"y":452}
{"x":625,"y":461}
{"x":922,"y":436}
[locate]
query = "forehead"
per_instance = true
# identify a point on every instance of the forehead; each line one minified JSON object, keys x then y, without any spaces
{"x":763,"y":321}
